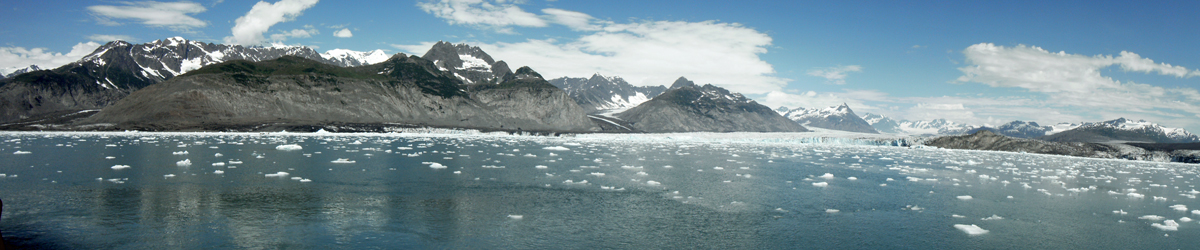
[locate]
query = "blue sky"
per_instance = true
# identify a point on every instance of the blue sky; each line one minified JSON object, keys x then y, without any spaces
{"x":973,"y":62}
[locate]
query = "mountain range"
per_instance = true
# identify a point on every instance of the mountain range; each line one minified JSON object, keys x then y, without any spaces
{"x":601,"y":93}
{"x":835,"y":117}
{"x":687,"y":107}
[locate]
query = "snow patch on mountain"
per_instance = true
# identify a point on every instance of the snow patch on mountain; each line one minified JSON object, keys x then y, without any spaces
{"x":839,"y":117}
{"x":350,"y":58}
{"x":886,"y":124}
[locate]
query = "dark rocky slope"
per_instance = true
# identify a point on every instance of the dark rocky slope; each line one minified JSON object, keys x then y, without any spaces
{"x":293,"y":90}
{"x":687,"y":107}
{"x":987,"y":140}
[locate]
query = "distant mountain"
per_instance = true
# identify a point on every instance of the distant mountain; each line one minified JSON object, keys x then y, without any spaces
{"x":687,"y":107}
{"x":468,"y":63}
{"x":245,"y":95}
{"x":600,"y":93}
{"x":1123,"y":130}
{"x":30,"y":68}
{"x":834,"y":117}
{"x":882,"y":124}
{"x":118,"y":68}
{"x":932,"y":127}
{"x":350,"y":58}
{"x":1018,"y":129}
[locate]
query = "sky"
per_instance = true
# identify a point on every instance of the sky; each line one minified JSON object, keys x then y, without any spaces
{"x":974,"y":62}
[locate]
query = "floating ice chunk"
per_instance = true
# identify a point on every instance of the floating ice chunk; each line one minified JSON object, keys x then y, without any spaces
{"x":556,"y":148}
{"x":277,"y":174}
{"x":964,"y":197}
{"x":342,"y":161}
{"x":297,"y":178}
{"x":890,"y":179}
{"x":970,"y":229}
{"x":852,"y":178}
{"x":830,"y":210}
{"x":305,"y":180}
{"x":1196,"y":212}
{"x":184,"y":163}
{"x":642,"y":173}
{"x":1135,"y":195}
{"x":19,"y":152}
{"x":826,"y":176}
{"x":1167,"y":225}
{"x":435,"y":165}
{"x":168,"y":175}
{"x":653,"y":183}
{"x":289,"y":147}
{"x":541,"y":167}
{"x":457,"y":172}
{"x":218,"y":164}
{"x":516,"y":216}
{"x":718,"y":168}
{"x":993,"y":217}
{"x":110,"y":157}
{"x":218,"y":171}
{"x":882,"y":184}
{"x":820,"y":184}
{"x":1151,"y":217}
{"x":1185,"y":219}
{"x":1179,"y":207}
{"x":120,"y":167}
{"x":957,"y":216}
{"x":667,"y":166}
{"x":597,"y":174}
{"x":1121,"y":212}
{"x":217,"y":155}
{"x":1159,"y":198}
{"x":235,"y":162}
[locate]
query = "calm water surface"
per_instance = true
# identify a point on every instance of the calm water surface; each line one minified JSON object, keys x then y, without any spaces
{"x":74,"y":191}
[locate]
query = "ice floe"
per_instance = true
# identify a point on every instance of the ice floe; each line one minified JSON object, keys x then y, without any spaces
{"x":120,"y":167}
{"x":289,"y":147}
{"x":970,"y":229}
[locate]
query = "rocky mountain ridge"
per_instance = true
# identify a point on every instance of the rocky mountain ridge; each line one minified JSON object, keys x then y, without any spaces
{"x":601,"y":93}
{"x":839,"y":117}
{"x":687,"y":107}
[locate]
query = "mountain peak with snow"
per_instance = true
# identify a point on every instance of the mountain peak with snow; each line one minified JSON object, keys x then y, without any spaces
{"x":839,"y":117}
{"x":468,"y":63}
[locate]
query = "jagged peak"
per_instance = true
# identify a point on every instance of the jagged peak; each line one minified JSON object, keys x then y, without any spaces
{"x":681,"y":82}
{"x":527,"y":72}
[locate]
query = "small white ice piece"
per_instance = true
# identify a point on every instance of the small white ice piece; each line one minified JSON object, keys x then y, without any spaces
{"x":342,"y":161}
{"x":435,"y":165}
{"x":277,"y":174}
{"x":289,"y":147}
{"x":168,"y":175}
{"x":218,"y":171}
{"x":964,"y":197}
{"x":557,"y":148}
{"x":19,"y":152}
{"x":1167,"y":225}
{"x":1179,"y":207}
{"x":653,"y":183}
{"x":820,"y":184}
{"x":516,"y":216}
{"x":830,"y":210}
{"x":184,"y":163}
{"x":827,"y":176}
{"x":993,"y":217}
{"x":110,"y":157}
{"x":970,"y":229}
{"x":120,"y":167}
{"x":852,"y":178}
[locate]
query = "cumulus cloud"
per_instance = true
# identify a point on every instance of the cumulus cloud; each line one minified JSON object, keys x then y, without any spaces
{"x":172,"y":15}
{"x":109,"y":38}
{"x":249,"y":29}
{"x":835,"y":75}
{"x":649,"y":53}
{"x":497,"y":15}
{"x":13,"y":58}
{"x":343,"y":33}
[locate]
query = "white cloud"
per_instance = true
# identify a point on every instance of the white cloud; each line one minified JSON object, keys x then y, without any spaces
{"x":571,"y":19}
{"x":497,"y":15}
{"x":295,"y":33}
{"x":649,"y":53}
{"x":1074,"y":82}
{"x":13,"y":58}
{"x":343,"y":33}
{"x":109,"y":38}
{"x":249,"y":29}
{"x":172,"y":15}
{"x":835,"y":75}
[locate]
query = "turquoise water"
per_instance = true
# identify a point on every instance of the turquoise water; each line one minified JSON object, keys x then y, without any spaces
{"x":61,"y":190}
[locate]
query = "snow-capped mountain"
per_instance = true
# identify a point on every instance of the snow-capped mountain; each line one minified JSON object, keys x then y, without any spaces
{"x":1122,"y":129}
{"x":839,"y":117}
{"x":932,"y":127}
{"x":350,"y":58}
{"x":1018,"y":129}
{"x":601,"y":93}
{"x":882,"y":124}
{"x":118,"y":68}
{"x":687,"y":107}
{"x":469,"y":63}
{"x":30,"y":68}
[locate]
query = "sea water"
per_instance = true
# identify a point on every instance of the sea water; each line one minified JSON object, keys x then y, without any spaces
{"x":371,"y":191}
